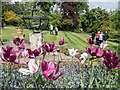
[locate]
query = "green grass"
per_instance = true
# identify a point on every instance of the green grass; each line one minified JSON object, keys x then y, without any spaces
{"x":75,"y":40}
{"x":9,"y":32}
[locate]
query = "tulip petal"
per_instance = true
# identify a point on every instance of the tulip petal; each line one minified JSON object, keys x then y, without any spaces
{"x":20,"y":52}
{"x":58,"y":76}
{"x":46,"y":46}
{"x":24,"y":71}
{"x":3,"y":49}
{"x":118,"y":66}
{"x":88,"y":51}
{"x":32,"y":66}
{"x":44,"y":65}
{"x":24,"y":63}
{"x":52,"y":47}
{"x":12,"y":58}
{"x":92,"y":48}
{"x":51,"y":65}
{"x":99,"y":52}
{"x":22,"y":41}
{"x":57,"y":67}
{"x":102,"y":63}
{"x":48,"y":73}
{"x":22,"y":46}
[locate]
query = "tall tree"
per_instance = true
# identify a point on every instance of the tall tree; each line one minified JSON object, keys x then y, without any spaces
{"x":69,"y":11}
{"x":98,"y":20}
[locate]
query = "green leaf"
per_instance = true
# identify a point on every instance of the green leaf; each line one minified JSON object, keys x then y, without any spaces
{"x":30,"y":86}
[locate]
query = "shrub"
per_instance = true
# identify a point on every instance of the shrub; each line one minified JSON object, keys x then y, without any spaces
{"x":10,"y":17}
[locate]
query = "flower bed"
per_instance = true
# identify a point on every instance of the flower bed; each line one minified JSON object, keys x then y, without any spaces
{"x":96,"y":67}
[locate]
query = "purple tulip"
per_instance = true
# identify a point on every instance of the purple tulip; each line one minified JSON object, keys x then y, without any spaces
{"x":49,"y":47}
{"x":9,"y":55}
{"x":90,"y":41}
{"x":33,"y":54}
{"x":21,"y":47}
{"x":110,"y":62}
{"x":105,"y":52}
{"x":17,"y":41}
{"x":94,"y":52}
{"x":62,"y":42}
{"x":50,"y":71}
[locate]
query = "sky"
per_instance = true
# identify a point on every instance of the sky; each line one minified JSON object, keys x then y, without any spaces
{"x":104,"y":4}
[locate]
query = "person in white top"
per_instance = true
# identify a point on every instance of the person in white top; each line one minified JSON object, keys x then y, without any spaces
{"x":51,"y":29}
{"x":101,"y":38}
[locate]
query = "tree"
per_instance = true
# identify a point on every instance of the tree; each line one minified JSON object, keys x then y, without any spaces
{"x":55,"y":19}
{"x":115,"y":18}
{"x":83,"y":22}
{"x":10,"y":17}
{"x":69,"y":12}
{"x":98,"y":20}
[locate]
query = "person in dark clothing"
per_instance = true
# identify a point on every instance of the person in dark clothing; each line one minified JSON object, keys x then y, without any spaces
{"x":2,"y":25}
{"x":105,"y":37}
{"x":97,"y":38}
{"x":93,"y":36}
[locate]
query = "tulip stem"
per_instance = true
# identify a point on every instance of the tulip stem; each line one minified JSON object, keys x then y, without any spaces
{"x":12,"y":74}
{"x":54,"y":59}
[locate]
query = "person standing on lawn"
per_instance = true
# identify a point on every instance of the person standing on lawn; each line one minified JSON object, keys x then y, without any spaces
{"x":51,"y":29}
{"x":93,"y":36}
{"x":101,"y":38}
{"x":56,"y":30}
{"x":105,"y":37}
{"x":97,"y":38}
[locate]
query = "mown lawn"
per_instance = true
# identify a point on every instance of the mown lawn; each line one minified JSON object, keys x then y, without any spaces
{"x":75,"y":40}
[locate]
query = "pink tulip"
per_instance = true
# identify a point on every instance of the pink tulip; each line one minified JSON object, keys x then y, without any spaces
{"x":50,"y":71}
{"x":49,"y":47}
{"x":10,"y":55}
{"x":105,"y":52}
{"x":22,"y":47}
{"x":33,"y":54}
{"x":110,"y":61}
{"x":0,"y":60}
{"x":32,"y":68}
{"x":94,"y":52}
{"x":25,"y":53}
{"x":90,"y":41}
{"x":62,"y":42}
{"x":17,"y":41}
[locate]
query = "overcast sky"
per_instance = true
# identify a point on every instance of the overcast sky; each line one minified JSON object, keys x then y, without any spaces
{"x":104,"y":4}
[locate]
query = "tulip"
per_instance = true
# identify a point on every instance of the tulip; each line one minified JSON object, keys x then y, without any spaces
{"x":1,"y":51}
{"x":110,"y":62}
{"x":49,"y":71}
{"x":25,"y":53}
{"x":10,"y":55}
{"x":84,"y":56}
{"x":102,"y":46}
{"x":73,"y":52}
{"x":33,"y":54}
{"x":22,"y":47}
{"x":62,"y":42}
{"x":49,"y":47}
{"x":17,"y":41}
{"x":32,"y":67}
{"x":94,"y":52}
{"x":105,"y":52}
{"x":90,"y":41}
{"x":55,"y":53}
{"x":0,"y":60}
